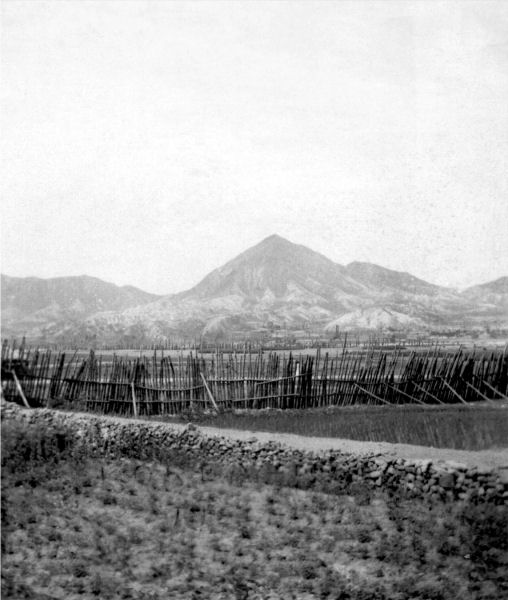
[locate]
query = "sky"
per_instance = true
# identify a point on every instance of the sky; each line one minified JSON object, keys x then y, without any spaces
{"x":148,"y":143}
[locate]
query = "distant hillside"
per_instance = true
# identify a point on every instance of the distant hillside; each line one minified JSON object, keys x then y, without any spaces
{"x":494,"y":289}
{"x":376,"y":318}
{"x":273,"y":284}
{"x":491,"y":301}
{"x":29,"y":302}
{"x":381,"y":278}
{"x":290,"y":285}
{"x":82,"y":294}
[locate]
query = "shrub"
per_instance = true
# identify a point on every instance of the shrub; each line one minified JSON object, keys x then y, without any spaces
{"x":24,"y":445}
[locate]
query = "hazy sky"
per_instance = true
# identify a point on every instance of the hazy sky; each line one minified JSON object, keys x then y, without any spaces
{"x":148,"y":143}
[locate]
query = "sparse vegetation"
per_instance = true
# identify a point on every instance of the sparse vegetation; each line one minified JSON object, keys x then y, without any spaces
{"x":465,"y":428}
{"x":75,"y":525}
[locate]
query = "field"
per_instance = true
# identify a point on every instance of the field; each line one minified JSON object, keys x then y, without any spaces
{"x":459,"y":427}
{"x":77,"y":526}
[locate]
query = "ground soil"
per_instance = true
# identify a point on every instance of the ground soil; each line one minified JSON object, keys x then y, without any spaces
{"x":80,"y":527}
{"x":125,"y":529}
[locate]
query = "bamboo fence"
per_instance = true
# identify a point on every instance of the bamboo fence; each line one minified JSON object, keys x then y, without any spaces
{"x":161,"y":384}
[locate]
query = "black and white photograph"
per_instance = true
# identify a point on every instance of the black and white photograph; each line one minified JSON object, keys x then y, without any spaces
{"x":254,"y":299}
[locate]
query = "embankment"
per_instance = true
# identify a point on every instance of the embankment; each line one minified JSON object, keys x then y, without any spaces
{"x":332,"y":470}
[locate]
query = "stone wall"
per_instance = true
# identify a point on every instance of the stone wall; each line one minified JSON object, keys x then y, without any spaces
{"x":331,"y":471}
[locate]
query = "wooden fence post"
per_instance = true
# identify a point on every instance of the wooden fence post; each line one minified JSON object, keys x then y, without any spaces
{"x":134,"y":405}
{"x":489,"y":400}
{"x":209,"y":393}
{"x":20,"y":390}
{"x":503,"y":397}
{"x":455,"y":392}
{"x":372,"y":395}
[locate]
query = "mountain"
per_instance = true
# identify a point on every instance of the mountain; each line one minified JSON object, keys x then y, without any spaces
{"x":280,"y":284}
{"x":376,"y":318}
{"x":83,"y":295}
{"x":30,"y":303}
{"x":275,"y":281}
{"x":405,"y":301}
{"x":277,"y":267}
{"x":491,"y":301}
{"x":274,"y":284}
{"x":492,"y":291}
{"x":384,"y":279}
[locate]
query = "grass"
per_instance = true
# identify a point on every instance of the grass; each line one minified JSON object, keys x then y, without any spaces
{"x":74,"y":526}
{"x":475,"y":428}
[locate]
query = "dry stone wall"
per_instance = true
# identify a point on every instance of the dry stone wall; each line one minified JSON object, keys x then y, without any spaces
{"x":331,"y":471}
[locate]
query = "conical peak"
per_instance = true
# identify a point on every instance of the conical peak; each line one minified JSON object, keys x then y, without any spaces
{"x":274,"y":236}
{"x":275,"y":240}
{"x":275,"y":248}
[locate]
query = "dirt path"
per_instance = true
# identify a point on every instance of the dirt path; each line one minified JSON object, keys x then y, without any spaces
{"x":484,"y":458}
{"x":488,"y":459}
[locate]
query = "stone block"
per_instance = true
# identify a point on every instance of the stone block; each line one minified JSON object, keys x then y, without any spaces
{"x":447,"y":481}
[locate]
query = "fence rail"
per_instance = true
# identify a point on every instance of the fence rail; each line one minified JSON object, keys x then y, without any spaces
{"x":160,"y":384}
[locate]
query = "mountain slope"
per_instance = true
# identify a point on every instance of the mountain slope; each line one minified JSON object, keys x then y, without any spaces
{"x":82,"y":294}
{"x":491,"y":291}
{"x":275,"y":280}
{"x":274,"y":283}
{"x":288,"y":284}
{"x":375,"y":318}
{"x":276,"y":267}
{"x":29,"y":302}
{"x":490,"y":300}
{"x":384,"y":279}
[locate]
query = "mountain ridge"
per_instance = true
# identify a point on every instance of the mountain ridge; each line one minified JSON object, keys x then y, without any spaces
{"x":30,"y":304}
{"x":274,"y":260}
{"x":274,"y":281}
